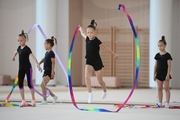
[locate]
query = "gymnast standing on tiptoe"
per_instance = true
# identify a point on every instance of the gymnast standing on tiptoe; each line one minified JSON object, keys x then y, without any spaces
{"x":49,"y":66}
{"x":162,"y":71}
{"x":93,"y":59}
{"x":25,"y":67}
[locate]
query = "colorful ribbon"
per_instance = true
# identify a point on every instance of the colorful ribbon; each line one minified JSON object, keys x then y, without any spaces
{"x":145,"y":106}
{"x":133,"y":106}
{"x":12,"y":104}
{"x":13,"y":87}
{"x":6,"y":104}
{"x":136,"y":73}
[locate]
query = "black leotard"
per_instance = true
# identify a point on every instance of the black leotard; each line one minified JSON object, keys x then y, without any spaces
{"x":93,"y":57}
{"x":162,"y":65}
{"x":24,"y":67}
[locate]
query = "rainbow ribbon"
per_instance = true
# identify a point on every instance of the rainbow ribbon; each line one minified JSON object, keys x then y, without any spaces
{"x":6,"y":104}
{"x":133,"y":106}
{"x":13,"y":87}
{"x":147,"y":106}
{"x":12,"y":104}
{"x":136,"y":73}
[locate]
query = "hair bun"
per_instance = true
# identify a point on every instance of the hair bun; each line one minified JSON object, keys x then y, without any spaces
{"x":52,"y":37}
{"x":22,"y":32}
{"x":92,"y":22}
{"x":163,"y":37}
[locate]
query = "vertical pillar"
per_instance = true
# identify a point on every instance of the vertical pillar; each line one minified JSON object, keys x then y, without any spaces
{"x":63,"y":38}
{"x":160,"y":24}
{"x":46,"y":18}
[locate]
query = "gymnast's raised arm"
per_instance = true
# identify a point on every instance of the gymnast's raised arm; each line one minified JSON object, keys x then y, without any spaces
{"x":83,"y":33}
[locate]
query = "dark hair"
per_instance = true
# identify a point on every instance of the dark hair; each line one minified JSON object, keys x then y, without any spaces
{"x":51,"y":41}
{"x":93,"y":24}
{"x":163,"y":40}
{"x":25,"y":35}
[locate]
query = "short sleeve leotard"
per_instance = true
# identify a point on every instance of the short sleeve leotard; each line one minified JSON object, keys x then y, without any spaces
{"x":162,"y":65}
{"x":93,"y":57}
{"x":24,"y":53}
{"x":48,"y":63}
{"x":24,"y":67}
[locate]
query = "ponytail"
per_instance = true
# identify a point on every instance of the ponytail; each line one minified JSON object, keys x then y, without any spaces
{"x":163,"y":40}
{"x":93,"y":24}
{"x":24,"y":34}
{"x":52,"y":41}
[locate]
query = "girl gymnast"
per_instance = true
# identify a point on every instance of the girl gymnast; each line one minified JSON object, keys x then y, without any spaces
{"x":162,"y":71}
{"x":49,"y":66}
{"x":93,"y":59}
{"x":25,"y":67}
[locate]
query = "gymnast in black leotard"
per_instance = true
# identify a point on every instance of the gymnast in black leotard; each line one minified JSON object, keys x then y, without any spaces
{"x":25,"y":67}
{"x":49,"y":67}
{"x":93,"y":59}
{"x":162,"y":71}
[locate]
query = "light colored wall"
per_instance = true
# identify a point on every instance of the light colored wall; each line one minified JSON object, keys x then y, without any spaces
{"x":15,"y":15}
{"x":106,"y":14}
{"x":175,"y":83}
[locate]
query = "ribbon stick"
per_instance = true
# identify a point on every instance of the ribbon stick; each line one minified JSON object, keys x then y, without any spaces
{"x":136,"y":73}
